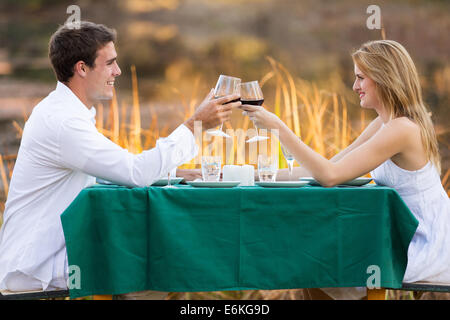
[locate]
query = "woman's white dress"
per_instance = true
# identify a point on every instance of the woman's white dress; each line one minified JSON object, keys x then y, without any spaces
{"x":423,"y":193}
{"x":429,"y":250}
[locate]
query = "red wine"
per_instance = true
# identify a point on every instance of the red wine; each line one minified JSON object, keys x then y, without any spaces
{"x":235,"y":100}
{"x":253,"y":102}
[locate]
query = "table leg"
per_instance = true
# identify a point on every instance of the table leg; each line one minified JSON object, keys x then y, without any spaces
{"x":376,"y":294}
{"x":102,"y":297}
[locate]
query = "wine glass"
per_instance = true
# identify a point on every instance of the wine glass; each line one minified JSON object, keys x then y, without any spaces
{"x":251,"y":94}
{"x":168,"y":182}
{"x":290,"y":160}
{"x":225,"y":85}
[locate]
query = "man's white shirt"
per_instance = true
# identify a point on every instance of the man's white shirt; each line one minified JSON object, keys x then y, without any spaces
{"x":61,"y":153}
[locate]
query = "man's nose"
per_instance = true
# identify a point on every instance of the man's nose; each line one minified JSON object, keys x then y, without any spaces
{"x":117,"y":71}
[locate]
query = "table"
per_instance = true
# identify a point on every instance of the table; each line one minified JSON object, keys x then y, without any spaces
{"x":208,"y":239}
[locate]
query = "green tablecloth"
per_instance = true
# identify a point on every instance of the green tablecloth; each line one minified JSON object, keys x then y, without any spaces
{"x":202,"y":239}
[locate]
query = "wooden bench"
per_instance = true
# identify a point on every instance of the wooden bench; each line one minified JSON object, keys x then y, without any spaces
{"x":380,"y":294}
{"x":372,"y":294}
{"x":37,"y":295}
{"x":33,"y":295}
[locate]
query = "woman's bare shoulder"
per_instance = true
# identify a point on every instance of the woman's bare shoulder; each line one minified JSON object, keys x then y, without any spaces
{"x":408,"y":133}
{"x":403,"y":123}
{"x":406,"y":130}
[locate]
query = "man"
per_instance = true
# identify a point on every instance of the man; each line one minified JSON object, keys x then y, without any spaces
{"x":61,"y":152}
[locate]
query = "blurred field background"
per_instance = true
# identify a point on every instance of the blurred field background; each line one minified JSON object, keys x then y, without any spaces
{"x":172,"y":51}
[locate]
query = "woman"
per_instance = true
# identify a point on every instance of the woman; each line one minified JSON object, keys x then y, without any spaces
{"x":399,"y":148}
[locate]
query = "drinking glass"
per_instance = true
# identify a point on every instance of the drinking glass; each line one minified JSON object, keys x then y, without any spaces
{"x":225,"y":85}
{"x":211,"y":168}
{"x":251,"y":93}
{"x":168,"y":182}
{"x":267,"y":168}
{"x":289,"y":158}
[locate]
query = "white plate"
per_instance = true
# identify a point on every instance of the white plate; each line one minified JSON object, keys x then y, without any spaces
{"x":355,"y":182}
{"x":164,"y":181}
{"x":101,"y":181}
{"x":281,"y":184}
{"x":213,"y":184}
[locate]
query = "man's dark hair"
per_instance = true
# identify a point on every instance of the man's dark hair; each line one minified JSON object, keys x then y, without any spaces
{"x":69,"y":45}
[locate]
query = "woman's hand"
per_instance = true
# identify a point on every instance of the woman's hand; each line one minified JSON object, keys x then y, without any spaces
{"x":262,"y":118}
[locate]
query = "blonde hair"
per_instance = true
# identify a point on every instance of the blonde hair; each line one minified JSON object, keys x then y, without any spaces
{"x":389,"y":65}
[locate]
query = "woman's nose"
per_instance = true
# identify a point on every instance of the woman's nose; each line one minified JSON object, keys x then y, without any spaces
{"x":355,"y":85}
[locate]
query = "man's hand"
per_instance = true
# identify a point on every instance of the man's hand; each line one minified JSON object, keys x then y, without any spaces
{"x":189,"y":174}
{"x":212,"y":112}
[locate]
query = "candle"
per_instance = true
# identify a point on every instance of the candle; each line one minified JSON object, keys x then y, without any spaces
{"x":244,"y":174}
{"x":249,"y":173}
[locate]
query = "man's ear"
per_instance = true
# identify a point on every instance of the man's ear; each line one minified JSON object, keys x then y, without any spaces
{"x":80,"y":68}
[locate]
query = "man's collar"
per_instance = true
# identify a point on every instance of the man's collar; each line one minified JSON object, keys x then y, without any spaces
{"x":62,"y":89}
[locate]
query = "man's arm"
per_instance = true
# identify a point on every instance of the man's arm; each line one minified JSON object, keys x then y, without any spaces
{"x":189,"y":174}
{"x":83,"y":148}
